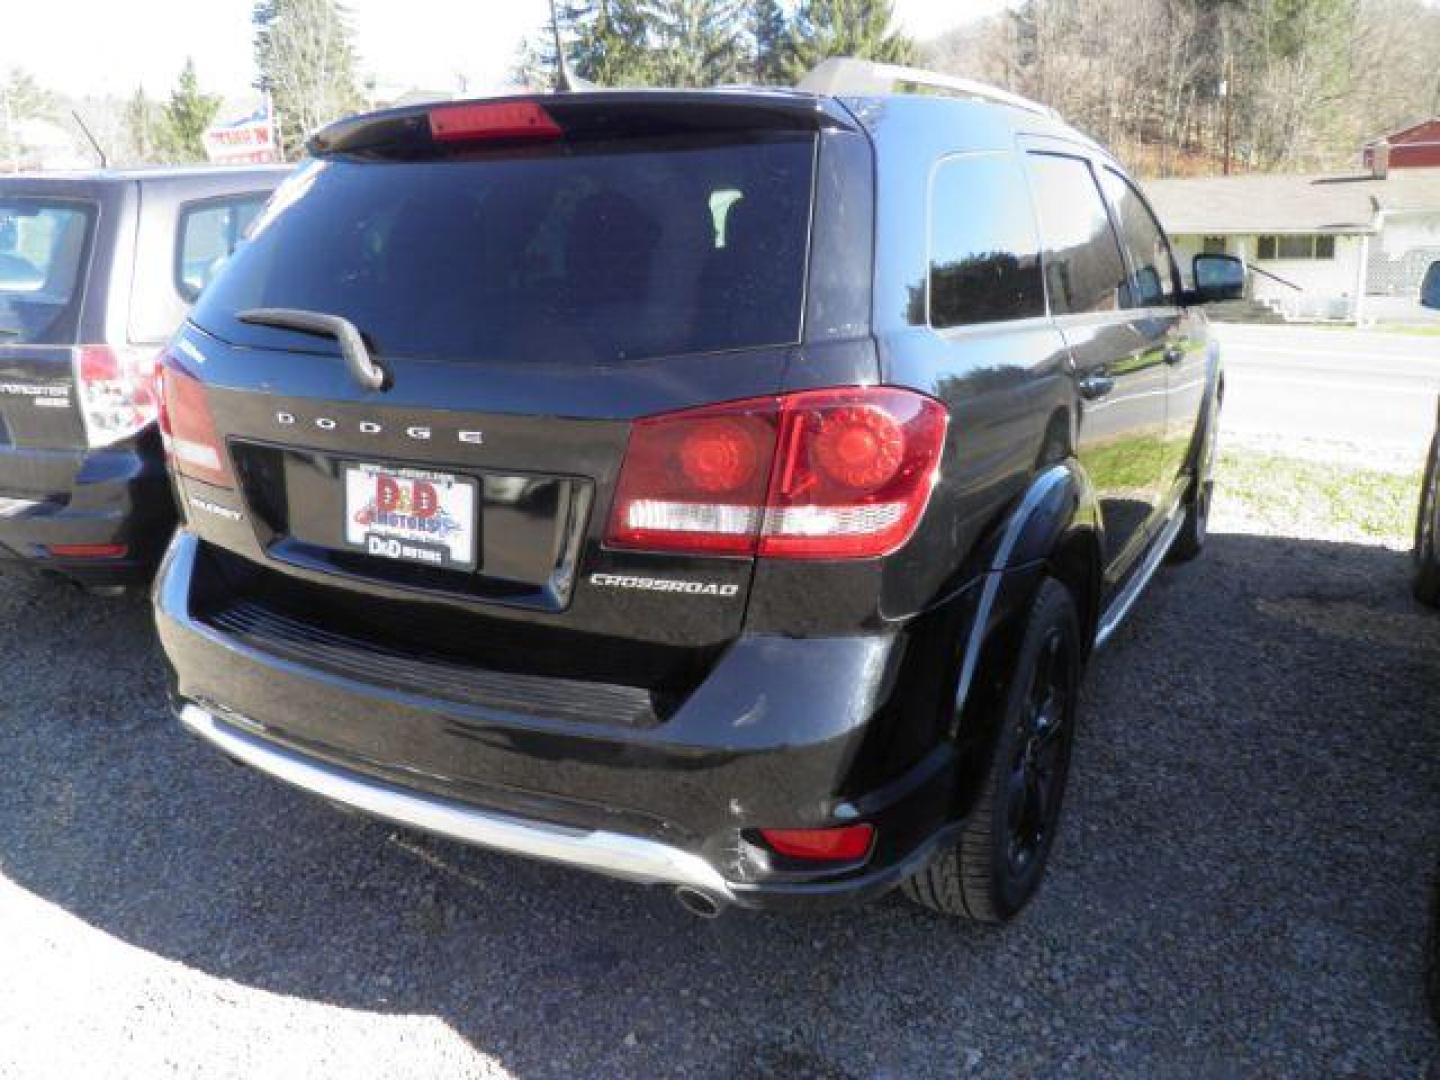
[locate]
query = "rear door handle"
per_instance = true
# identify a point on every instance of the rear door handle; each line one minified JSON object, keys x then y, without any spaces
{"x":1094,"y":387}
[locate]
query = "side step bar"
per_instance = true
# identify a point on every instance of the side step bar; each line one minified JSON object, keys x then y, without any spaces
{"x":1120,"y":607}
{"x":631,"y":858}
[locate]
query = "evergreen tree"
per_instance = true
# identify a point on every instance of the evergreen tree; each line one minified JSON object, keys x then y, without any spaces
{"x":610,"y":47}
{"x":771,"y":34}
{"x":697,"y":42}
{"x":187,"y":115}
{"x":605,"y":43}
{"x":142,"y":127}
{"x":304,"y":51}
{"x":858,"y":28}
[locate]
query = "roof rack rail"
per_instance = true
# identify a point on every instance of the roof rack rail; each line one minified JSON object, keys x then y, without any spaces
{"x":843,"y":75}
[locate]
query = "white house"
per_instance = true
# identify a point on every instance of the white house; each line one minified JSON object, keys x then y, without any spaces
{"x":1322,"y":247}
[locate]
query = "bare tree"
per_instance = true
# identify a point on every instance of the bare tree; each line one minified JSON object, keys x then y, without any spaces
{"x":1181,"y":86}
{"x":307,"y":65}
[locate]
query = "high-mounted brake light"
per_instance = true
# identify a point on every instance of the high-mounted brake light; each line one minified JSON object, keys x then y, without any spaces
{"x":821,"y":474}
{"x":116,"y":391}
{"x":192,"y":441}
{"x":492,"y":120}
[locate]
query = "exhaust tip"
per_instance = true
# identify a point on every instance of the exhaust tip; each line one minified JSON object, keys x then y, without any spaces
{"x":698,"y":903}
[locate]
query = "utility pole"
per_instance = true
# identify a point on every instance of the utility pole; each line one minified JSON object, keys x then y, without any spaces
{"x":1229,"y":97}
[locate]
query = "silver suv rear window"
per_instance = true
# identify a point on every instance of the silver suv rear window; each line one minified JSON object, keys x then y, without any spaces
{"x":44,"y":245}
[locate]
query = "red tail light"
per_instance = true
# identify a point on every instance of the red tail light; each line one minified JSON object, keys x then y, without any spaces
{"x":844,"y":843}
{"x":87,"y":551}
{"x":821,"y":474}
{"x":116,"y":391}
{"x":493,"y":120}
{"x":191,"y":438}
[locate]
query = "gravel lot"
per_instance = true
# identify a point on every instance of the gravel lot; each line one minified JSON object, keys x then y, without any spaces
{"x":1241,"y":886}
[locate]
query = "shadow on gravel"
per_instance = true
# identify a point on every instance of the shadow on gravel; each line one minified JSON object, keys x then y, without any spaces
{"x":1241,"y":885}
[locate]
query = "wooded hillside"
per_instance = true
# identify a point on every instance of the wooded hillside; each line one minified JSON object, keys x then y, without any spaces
{"x":1297,"y":84}
{"x":1302,"y":82}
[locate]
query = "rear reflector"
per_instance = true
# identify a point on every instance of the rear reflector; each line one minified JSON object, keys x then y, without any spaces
{"x":87,"y":551}
{"x":820,"y":474}
{"x":116,"y":390}
{"x":495,"y":120}
{"x":191,"y":439}
{"x":845,"y":843}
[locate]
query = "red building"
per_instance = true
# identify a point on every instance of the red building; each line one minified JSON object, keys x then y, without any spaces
{"x":1411,"y":147}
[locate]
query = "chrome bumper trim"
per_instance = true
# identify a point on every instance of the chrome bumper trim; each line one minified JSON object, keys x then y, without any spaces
{"x":614,"y":854}
{"x":10,"y":507}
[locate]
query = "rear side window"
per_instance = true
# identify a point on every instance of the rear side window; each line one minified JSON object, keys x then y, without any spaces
{"x":984,"y":252}
{"x":208,"y":232}
{"x":1083,"y":268}
{"x":634,"y":249}
{"x":1152,"y":282}
{"x":44,"y":248}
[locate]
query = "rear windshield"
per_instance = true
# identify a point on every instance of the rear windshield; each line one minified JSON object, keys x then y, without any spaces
{"x":641,"y":249}
{"x":44,"y":245}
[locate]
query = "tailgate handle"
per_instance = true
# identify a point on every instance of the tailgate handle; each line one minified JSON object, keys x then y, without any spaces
{"x":363,"y":367}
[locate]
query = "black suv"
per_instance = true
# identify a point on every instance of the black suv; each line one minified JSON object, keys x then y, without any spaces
{"x":96,"y":272}
{"x":720,"y":489}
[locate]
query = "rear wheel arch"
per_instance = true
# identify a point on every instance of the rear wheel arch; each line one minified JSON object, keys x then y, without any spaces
{"x":1054,"y":532}
{"x":1056,"y":526}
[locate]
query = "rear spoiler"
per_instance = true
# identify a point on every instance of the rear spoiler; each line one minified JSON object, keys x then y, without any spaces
{"x":409,"y":132}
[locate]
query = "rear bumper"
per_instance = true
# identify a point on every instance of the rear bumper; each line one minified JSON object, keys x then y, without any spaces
{"x":769,"y":739}
{"x":615,"y":854}
{"x":119,"y":496}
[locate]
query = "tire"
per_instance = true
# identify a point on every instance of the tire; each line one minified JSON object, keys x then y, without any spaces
{"x":1425,"y":581}
{"x":1194,"y":530}
{"x":996,"y":866}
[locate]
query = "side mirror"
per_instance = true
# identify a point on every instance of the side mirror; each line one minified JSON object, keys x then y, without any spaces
{"x":1218,"y":277}
{"x":1430,"y":287}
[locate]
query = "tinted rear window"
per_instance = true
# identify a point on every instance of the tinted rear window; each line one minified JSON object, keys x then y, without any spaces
{"x":984,"y":253}
{"x":44,"y":247}
{"x":642,"y":249}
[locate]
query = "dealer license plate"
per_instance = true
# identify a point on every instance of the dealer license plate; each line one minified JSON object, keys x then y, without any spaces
{"x":411,"y":515}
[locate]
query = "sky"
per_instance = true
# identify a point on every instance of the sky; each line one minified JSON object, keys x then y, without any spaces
{"x":97,"y":47}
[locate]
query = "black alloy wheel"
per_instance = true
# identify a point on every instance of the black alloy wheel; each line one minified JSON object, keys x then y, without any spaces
{"x":996,"y":866}
{"x":1037,"y":767}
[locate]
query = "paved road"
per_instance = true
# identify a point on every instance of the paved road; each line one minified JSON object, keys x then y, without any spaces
{"x":1369,"y":389}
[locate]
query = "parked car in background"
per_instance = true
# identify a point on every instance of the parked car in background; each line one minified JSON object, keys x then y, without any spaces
{"x":96,"y":271}
{"x":1427,"y":522}
{"x":717,"y":489}
{"x":1427,"y":589}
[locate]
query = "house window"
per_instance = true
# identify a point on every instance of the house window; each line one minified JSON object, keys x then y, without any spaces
{"x":1309,"y":246}
{"x":1212,"y":245}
